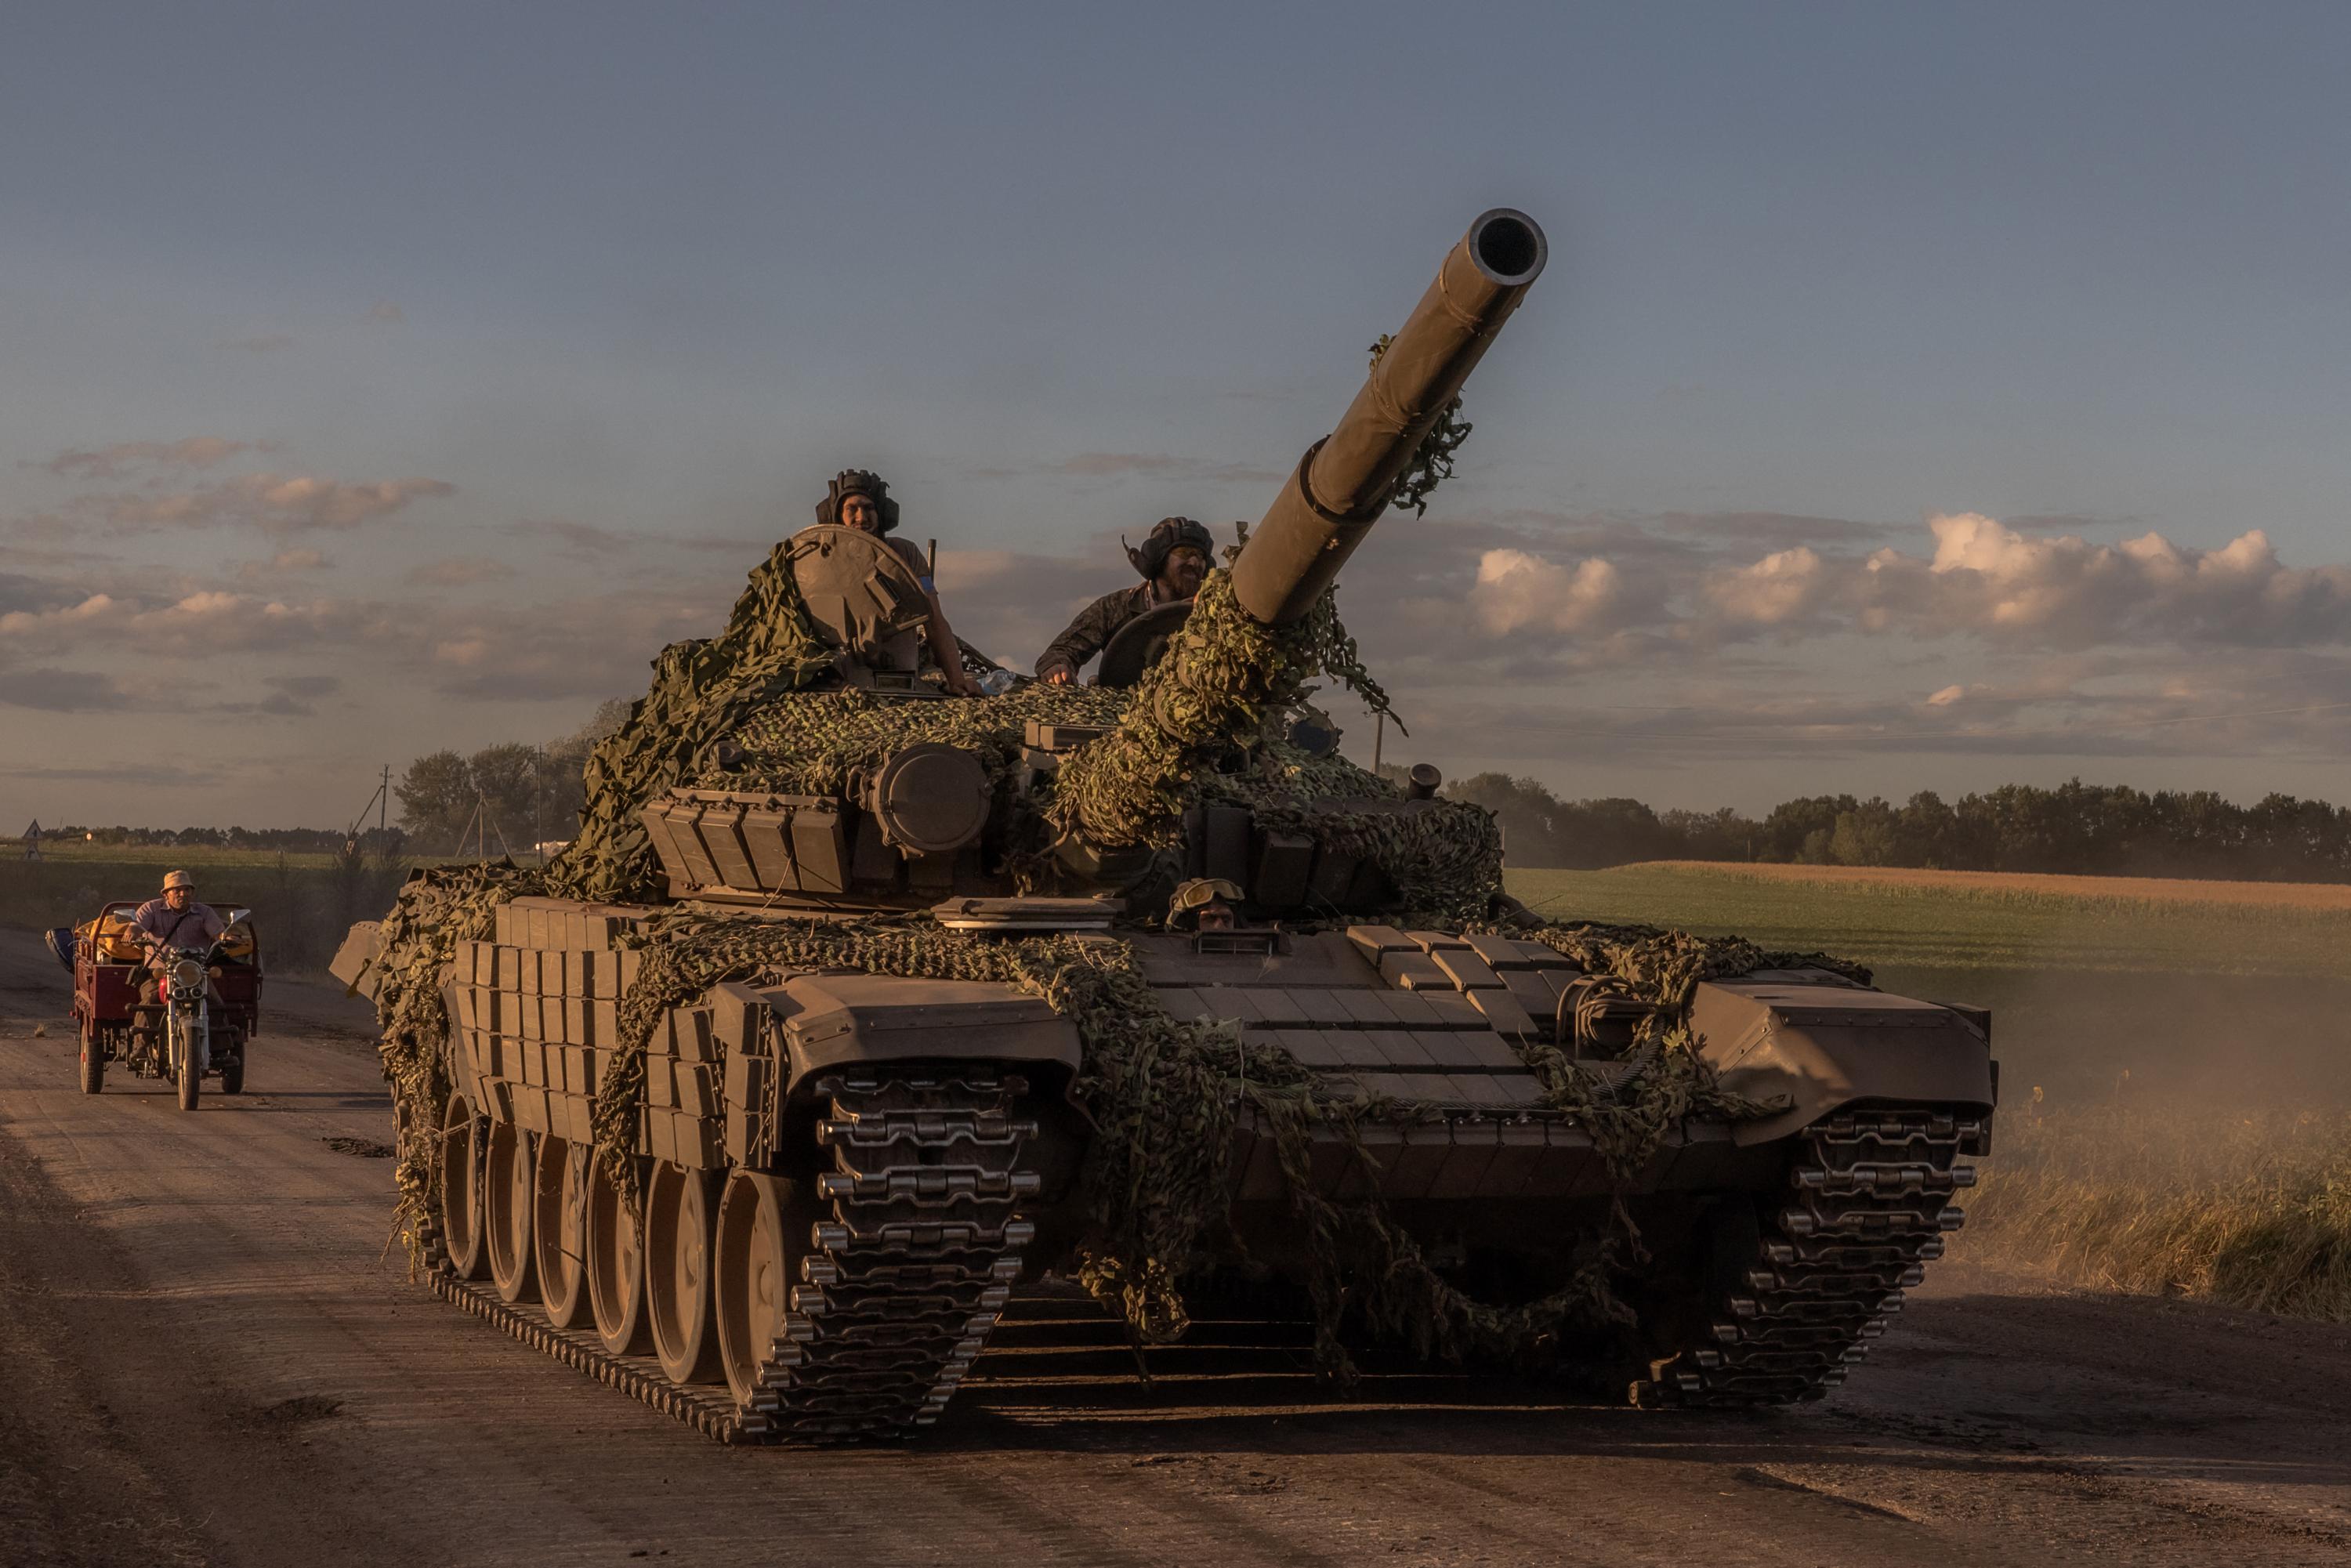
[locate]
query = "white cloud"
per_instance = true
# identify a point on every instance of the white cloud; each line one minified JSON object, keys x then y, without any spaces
{"x":1780,"y":588}
{"x":275,"y":502}
{"x":108,"y":463}
{"x":1517,"y":589}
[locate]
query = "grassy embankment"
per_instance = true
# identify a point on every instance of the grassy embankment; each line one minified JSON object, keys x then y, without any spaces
{"x":301,"y":903}
{"x":2176,"y":1056}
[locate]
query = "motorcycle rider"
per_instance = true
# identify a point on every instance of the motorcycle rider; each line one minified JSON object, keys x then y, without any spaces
{"x":175,"y":920}
{"x":1173,"y":559}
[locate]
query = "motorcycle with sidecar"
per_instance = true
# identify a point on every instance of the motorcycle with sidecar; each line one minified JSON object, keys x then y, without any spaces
{"x":201,"y":1022}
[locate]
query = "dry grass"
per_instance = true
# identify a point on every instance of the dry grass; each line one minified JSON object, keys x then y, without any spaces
{"x":2252,"y":1209}
{"x":2127,"y":890}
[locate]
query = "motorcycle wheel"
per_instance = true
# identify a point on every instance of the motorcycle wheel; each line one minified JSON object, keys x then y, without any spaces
{"x":232,"y":1072}
{"x":93,"y":1060}
{"x":191,"y":1074}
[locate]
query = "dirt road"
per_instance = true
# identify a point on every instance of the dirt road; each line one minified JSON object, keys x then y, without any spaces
{"x":207,"y":1357}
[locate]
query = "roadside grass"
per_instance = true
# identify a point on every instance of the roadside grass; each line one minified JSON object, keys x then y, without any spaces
{"x":2250,"y":1208}
{"x":2176,"y":1058}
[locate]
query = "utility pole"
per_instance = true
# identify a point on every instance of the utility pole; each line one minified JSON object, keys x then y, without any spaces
{"x":383,"y":802}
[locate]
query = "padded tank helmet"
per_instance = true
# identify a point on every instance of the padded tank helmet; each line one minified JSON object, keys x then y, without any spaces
{"x":858,"y":482}
{"x":1167,"y":535}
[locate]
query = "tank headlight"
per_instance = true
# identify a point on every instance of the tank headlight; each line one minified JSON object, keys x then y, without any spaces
{"x":188,"y":974}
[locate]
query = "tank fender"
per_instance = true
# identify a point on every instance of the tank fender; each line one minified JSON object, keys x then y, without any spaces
{"x":836,"y":1021}
{"x":1825,"y":1046}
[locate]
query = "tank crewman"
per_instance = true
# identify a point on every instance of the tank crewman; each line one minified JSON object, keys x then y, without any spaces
{"x":860,"y":500}
{"x":174,"y":920}
{"x":1173,"y":559}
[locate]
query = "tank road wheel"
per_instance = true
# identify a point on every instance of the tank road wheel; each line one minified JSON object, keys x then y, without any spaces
{"x":93,"y":1058}
{"x":461,"y":1187}
{"x":559,"y":1229}
{"x":616,"y":1265}
{"x":506,"y":1182}
{"x":759,"y":1254}
{"x":678,"y":1216}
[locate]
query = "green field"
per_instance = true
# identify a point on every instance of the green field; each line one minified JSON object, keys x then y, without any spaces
{"x":1922,"y":925}
{"x":196,"y":857}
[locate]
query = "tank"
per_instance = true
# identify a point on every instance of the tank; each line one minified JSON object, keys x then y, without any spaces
{"x":855,"y":1005}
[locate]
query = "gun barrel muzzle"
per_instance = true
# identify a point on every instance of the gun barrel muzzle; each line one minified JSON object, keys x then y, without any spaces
{"x":1343,"y":483}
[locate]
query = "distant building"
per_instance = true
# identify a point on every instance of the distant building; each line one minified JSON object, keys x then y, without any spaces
{"x":33,"y":841}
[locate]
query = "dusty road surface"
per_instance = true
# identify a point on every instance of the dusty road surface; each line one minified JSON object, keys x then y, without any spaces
{"x":207,"y":1357}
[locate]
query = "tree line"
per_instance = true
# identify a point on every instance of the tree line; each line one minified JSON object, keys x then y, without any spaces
{"x":2094,"y":830}
{"x":503,"y":798}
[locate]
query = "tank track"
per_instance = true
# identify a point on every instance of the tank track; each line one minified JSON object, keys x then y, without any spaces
{"x":1872,"y":1203}
{"x":899,"y":1287}
{"x":914,"y":1268}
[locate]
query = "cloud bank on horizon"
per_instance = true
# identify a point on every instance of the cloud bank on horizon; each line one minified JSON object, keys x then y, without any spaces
{"x":1712,"y":637}
{"x":1918,"y":397}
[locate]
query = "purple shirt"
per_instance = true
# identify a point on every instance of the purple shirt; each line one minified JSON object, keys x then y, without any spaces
{"x":198,"y":925}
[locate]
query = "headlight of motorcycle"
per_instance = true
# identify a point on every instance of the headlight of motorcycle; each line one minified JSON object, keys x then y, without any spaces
{"x":188,"y":974}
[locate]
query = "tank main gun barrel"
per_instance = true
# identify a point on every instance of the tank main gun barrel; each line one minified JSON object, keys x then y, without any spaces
{"x":1343,"y":483}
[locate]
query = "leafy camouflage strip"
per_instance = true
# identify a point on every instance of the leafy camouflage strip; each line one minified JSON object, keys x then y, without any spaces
{"x":1227,"y":682}
{"x":1432,"y":461}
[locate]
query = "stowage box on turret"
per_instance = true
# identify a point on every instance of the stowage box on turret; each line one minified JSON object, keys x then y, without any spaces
{"x":855,"y":1005}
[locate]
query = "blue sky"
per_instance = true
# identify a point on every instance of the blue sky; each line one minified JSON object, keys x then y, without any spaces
{"x":430,"y":367}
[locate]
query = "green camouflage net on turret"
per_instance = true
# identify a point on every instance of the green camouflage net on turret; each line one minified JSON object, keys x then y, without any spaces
{"x":809,"y":743}
{"x":701,"y":691}
{"x":1226,"y":681}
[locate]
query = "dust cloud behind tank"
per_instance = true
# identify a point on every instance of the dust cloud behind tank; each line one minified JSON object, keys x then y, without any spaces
{"x":854,"y":1006}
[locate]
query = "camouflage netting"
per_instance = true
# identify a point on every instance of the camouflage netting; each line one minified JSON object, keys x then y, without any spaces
{"x":1225,"y":682}
{"x":437,"y":909}
{"x":1652,"y":964}
{"x":702,"y":691}
{"x":809,"y":743}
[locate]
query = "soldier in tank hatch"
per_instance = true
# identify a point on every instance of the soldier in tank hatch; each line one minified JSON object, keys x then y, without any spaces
{"x":1173,"y":559}
{"x":859,"y":500}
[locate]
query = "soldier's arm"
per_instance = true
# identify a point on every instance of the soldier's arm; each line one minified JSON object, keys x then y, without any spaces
{"x":1083,"y":638}
{"x":946,"y":651}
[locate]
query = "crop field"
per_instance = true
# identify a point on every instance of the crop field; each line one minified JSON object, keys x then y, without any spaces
{"x":2176,"y":1056}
